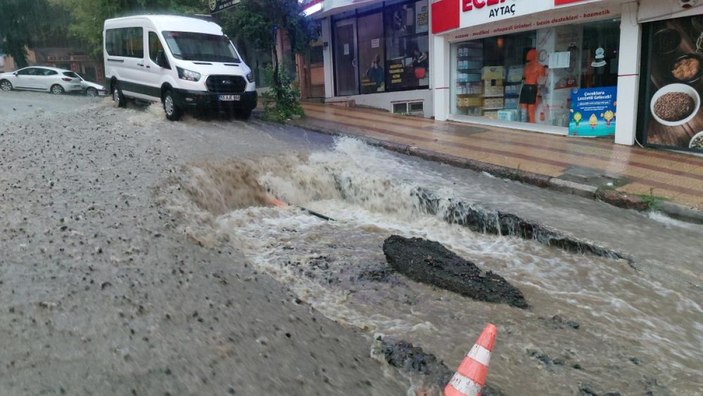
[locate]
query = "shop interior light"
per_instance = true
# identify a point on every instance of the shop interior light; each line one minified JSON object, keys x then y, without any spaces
{"x":500,"y":42}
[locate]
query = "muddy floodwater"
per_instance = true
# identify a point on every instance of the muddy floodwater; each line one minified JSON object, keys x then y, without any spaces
{"x":595,"y":323}
{"x":141,"y":256}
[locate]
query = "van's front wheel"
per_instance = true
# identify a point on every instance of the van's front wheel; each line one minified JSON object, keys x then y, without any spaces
{"x":173,"y":112}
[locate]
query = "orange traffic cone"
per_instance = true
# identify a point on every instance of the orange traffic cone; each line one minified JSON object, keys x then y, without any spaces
{"x":470,"y":377}
{"x":275,"y":201}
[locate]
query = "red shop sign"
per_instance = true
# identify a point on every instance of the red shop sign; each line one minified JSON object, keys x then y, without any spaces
{"x":445,"y":15}
{"x":562,"y":2}
{"x":468,"y":5}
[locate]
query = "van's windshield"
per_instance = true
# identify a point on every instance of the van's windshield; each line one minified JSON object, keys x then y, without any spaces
{"x":200,"y":47}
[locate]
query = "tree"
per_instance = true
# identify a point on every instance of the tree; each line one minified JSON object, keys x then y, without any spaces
{"x":89,"y":15}
{"x":258,"y":22}
{"x":18,"y":20}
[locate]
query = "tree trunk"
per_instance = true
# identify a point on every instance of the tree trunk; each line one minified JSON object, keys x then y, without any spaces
{"x":276,"y":67}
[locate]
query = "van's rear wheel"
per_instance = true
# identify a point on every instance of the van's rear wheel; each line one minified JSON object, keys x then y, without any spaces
{"x":117,"y":96}
{"x":173,"y":112}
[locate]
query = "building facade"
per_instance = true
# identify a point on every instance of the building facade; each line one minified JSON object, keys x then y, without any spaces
{"x":377,"y":53}
{"x":568,"y":67}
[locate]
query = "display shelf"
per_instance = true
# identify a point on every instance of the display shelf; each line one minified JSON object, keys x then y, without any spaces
{"x":468,"y":89}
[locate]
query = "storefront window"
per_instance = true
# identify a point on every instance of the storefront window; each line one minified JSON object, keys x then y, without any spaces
{"x":371,"y":53}
{"x":534,"y":77}
{"x":383,"y":47}
{"x":407,"y":45}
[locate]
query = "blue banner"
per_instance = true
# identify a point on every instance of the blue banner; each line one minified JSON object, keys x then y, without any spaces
{"x":593,"y":111}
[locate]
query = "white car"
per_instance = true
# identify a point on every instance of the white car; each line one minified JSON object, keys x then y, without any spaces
{"x":90,"y":88}
{"x":41,"y":78}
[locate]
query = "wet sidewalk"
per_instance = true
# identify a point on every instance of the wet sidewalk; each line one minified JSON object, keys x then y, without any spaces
{"x":631,"y":177}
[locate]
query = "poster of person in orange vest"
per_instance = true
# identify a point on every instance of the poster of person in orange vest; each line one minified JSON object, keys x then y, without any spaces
{"x":533,"y":74}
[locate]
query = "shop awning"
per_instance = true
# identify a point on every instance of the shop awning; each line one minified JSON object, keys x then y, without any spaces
{"x":333,"y":7}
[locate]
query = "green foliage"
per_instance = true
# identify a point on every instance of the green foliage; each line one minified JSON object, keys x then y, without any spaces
{"x":89,"y":15}
{"x":281,"y":101}
{"x":653,"y":202}
{"x":18,"y":20}
{"x":256,"y":22}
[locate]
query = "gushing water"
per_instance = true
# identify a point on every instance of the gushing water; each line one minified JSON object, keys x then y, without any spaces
{"x":595,"y":322}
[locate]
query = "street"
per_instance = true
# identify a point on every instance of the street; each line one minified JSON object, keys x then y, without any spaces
{"x":141,"y":256}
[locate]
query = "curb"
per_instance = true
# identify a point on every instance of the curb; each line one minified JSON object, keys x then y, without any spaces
{"x":609,"y":196}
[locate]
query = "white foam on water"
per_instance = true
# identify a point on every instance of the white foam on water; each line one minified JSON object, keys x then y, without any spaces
{"x":673,"y":223}
{"x":369,"y":193}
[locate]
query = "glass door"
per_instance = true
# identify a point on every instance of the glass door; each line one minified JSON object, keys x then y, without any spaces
{"x":345,"y":58}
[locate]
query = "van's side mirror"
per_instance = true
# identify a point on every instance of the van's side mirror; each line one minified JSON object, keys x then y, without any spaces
{"x":161,"y":60}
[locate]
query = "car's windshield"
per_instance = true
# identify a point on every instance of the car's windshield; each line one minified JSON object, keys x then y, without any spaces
{"x":200,"y":47}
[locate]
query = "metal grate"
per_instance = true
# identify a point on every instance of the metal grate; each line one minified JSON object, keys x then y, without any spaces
{"x":226,"y":84}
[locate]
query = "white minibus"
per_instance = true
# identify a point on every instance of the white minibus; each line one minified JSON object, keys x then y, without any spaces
{"x":184,"y":63}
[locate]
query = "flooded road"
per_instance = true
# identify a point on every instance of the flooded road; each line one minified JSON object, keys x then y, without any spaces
{"x":595,"y":323}
{"x":142,"y":256}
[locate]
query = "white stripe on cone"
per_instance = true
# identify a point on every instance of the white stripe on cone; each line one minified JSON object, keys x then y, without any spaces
{"x":465,"y":385}
{"x":480,"y":354}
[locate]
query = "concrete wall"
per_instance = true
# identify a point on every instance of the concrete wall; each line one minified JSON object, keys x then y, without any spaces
{"x":628,"y":75}
{"x":327,"y":56}
{"x":386,"y":100}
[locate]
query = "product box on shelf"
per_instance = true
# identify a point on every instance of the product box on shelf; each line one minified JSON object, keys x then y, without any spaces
{"x":491,"y":114}
{"x":509,"y":115}
{"x":493,"y":103}
{"x":512,"y":103}
{"x":512,"y":89}
{"x":472,"y":101}
{"x":493,"y":88}
{"x":493,"y":73}
{"x":515,"y":74}
{"x":468,"y":77}
{"x":466,"y":102}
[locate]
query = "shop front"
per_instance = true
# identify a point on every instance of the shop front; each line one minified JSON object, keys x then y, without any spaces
{"x":672,"y":60}
{"x":377,"y":54}
{"x":552,"y":66}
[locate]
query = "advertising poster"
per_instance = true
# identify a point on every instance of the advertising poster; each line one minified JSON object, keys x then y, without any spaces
{"x":593,"y":111}
{"x":396,"y":72}
{"x":671,"y":110}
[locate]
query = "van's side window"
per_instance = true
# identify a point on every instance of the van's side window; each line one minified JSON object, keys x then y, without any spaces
{"x":127,"y":42}
{"x":156,"y":51}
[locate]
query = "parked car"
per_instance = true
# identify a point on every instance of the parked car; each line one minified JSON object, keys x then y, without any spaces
{"x":90,"y":88}
{"x":41,"y":78}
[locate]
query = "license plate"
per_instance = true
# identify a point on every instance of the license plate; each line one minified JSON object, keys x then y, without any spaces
{"x":229,"y":98}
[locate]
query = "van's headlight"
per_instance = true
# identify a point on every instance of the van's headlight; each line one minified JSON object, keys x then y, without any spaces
{"x":250,"y":77}
{"x":188,"y":75}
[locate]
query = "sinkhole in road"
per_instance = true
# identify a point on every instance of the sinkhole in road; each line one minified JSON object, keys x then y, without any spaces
{"x":630,"y":329}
